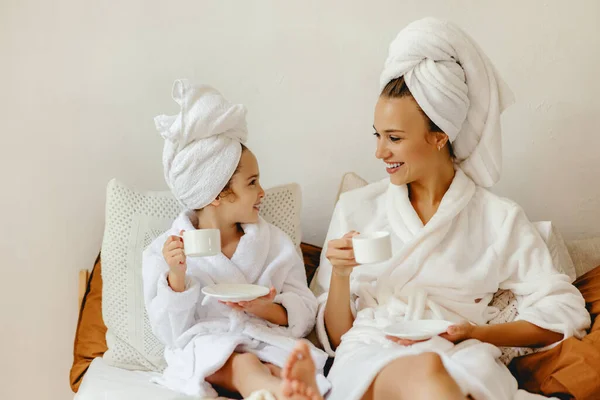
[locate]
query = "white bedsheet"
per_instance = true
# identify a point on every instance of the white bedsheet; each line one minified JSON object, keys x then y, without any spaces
{"x":104,"y":382}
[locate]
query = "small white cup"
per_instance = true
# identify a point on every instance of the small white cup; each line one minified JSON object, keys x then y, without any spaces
{"x":202,"y":242}
{"x":371,"y":248}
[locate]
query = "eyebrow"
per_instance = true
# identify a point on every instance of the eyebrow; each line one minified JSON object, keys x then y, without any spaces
{"x":390,"y":130}
{"x":253,"y":176}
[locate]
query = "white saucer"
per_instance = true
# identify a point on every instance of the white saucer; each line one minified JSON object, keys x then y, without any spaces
{"x":417,"y":330}
{"x":235,"y":292}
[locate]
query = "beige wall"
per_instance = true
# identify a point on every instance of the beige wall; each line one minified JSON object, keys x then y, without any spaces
{"x":80,"y":82}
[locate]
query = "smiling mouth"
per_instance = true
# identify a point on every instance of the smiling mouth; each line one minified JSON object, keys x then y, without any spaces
{"x":393,"y":167}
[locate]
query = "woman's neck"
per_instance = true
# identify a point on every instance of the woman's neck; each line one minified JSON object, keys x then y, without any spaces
{"x":431,"y":189}
{"x":426,"y":194}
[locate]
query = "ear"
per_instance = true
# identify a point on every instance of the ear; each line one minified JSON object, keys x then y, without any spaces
{"x":441,"y":139}
{"x":216,"y":202}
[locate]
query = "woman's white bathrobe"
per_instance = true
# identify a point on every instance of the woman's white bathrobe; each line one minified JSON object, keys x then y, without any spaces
{"x":475,"y":244}
{"x":200,"y":333}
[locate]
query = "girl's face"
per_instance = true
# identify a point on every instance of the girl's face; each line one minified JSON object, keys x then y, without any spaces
{"x":402,"y":133}
{"x":243,"y":204}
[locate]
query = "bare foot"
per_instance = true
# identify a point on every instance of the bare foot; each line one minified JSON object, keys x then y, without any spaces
{"x":299,"y":375}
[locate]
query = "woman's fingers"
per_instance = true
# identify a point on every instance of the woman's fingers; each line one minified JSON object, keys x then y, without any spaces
{"x":340,"y":254}
{"x":403,"y":342}
{"x":344,"y":243}
{"x":350,"y":234}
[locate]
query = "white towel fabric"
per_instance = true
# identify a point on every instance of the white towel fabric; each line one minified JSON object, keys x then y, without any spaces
{"x":457,"y":86}
{"x":202,"y":143}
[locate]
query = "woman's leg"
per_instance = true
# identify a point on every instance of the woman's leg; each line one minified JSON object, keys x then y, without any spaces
{"x":422,"y":376}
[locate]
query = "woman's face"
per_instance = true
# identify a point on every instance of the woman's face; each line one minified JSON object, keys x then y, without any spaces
{"x":404,"y":143}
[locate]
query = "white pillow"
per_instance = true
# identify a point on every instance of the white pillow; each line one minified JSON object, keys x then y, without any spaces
{"x":133,"y":220}
{"x":585,"y":254}
{"x":558,"y":248}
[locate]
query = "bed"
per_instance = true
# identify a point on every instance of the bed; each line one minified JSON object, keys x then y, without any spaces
{"x":102,"y":376}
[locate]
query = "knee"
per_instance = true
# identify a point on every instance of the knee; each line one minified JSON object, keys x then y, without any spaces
{"x":428,"y":365}
{"x":408,"y":374}
{"x":416,"y":369}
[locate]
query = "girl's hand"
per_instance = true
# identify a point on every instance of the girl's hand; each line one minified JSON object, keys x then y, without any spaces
{"x":257,"y":306}
{"x":264,"y":308}
{"x":175,"y":257}
{"x":340,"y":253}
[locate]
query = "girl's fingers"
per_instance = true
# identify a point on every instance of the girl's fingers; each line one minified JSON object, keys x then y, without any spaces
{"x":177,"y":244}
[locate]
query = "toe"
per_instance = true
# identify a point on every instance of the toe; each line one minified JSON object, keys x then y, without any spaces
{"x":286,"y":388}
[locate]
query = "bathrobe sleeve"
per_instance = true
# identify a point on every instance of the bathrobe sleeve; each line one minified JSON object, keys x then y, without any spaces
{"x":294,"y":295}
{"x":170,"y":313}
{"x":338,"y":227}
{"x":546,"y":297}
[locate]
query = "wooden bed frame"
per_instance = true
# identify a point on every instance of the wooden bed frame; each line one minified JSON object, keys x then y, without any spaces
{"x":84,"y":276}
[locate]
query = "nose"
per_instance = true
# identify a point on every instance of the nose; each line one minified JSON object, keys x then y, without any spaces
{"x":382,"y":152}
{"x":261,"y":192}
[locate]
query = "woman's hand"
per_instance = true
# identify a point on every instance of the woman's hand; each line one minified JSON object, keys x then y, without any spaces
{"x":340,"y":253}
{"x":455,"y":334}
{"x":460,"y":332}
{"x":174,"y":255}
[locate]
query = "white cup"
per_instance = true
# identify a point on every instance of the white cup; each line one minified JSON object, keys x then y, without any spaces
{"x":202,"y":242}
{"x":370,"y":248}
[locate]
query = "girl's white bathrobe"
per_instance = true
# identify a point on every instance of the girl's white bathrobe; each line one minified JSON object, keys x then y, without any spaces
{"x":475,"y":244}
{"x":200,"y":333}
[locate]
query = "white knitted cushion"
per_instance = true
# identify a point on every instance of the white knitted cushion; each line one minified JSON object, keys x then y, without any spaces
{"x":505,"y":301}
{"x":133,"y":220}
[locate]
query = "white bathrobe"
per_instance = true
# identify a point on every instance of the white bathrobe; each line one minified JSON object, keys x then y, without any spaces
{"x":200,"y":333}
{"x":475,"y":244}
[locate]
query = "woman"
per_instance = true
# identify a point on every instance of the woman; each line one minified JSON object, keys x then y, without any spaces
{"x":454,"y":243}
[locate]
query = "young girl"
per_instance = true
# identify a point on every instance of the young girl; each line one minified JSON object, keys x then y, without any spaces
{"x":241,"y":347}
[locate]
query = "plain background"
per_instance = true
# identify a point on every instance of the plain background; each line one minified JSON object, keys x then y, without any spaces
{"x":81,"y":81}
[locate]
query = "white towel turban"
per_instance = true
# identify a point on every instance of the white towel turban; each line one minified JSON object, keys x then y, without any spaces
{"x":457,"y":87}
{"x":202,"y":143}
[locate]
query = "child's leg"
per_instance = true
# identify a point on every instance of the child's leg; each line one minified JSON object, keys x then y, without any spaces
{"x":245,"y":373}
{"x":275,"y":370}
